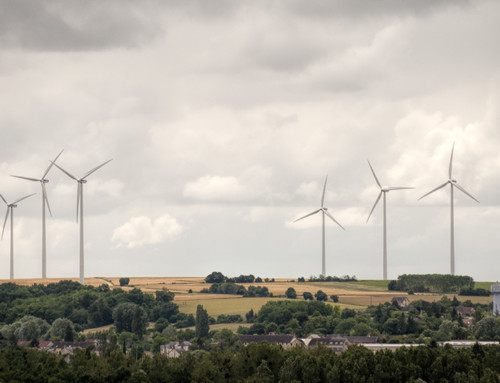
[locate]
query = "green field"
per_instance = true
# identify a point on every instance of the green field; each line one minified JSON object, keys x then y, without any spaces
{"x":483,"y":285}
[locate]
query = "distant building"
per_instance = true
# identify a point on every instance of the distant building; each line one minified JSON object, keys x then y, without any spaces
{"x":465,"y":312}
{"x":495,"y":289}
{"x":336,"y":344}
{"x":401,"y":301}
{"x":174,"y":349}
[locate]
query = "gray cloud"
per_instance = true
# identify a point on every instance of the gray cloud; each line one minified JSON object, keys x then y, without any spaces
{"x":76,"y":26}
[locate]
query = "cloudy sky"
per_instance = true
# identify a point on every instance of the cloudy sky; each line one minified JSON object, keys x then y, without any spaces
{"x":223,"y":119}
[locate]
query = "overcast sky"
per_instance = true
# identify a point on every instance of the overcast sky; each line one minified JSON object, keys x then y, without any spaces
{"x":223,"y":119}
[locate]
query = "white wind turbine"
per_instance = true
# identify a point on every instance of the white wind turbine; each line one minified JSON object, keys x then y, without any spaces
{"x":45,"y":202}
{"x":10,"y":210}
{"x":324,"y":212}
{"x":453,"y":183}
{"x":79,"y":208}
{"x":383,"y":191}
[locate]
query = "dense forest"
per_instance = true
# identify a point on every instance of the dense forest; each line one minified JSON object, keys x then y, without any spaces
{"x":256,"y":363}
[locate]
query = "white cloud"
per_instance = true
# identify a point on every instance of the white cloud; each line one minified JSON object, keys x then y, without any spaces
{"x":142,"y":230}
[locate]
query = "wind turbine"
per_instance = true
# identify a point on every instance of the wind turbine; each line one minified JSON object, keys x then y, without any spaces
{"x":324,"y":211}
{"x":453,"y":183}
{"x":45,"y":201}
{"x":79,"y":209}
{"x":383,"y":191}
{"x":10,"y":209}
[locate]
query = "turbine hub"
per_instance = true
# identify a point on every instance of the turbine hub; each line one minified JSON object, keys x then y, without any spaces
{"x":325,"y":208}
{"x":44,"y":181}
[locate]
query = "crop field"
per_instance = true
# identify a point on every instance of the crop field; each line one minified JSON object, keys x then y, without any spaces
{"x":357,"y":294}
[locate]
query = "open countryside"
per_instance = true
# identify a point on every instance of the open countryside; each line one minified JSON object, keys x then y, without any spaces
{"x":355,"y":295}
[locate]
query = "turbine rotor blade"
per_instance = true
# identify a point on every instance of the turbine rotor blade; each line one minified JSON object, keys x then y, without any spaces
{"x":374,"y":175}
{"x":324,"y":189}
{"x":20,"y":199}
{"x":26,"y":178}
{"x":399,"y":188}
{"x":307,"y":215}
{"x":1,"y":196}
{"x":451,"y":161}
{"x":375,"y":204}
{"x":5,"y":221}
{"x":96,"y":168}
{"x":50,"y":166}
{"x":464,"y":191}
{"x":45,"y":198}
{"x":64,"y":171}
{"x":333,"y":219}
{"x":433,"y":190}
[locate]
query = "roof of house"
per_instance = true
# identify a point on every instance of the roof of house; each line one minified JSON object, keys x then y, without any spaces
{"x":328,"y":341}
{"x":465,"y":310}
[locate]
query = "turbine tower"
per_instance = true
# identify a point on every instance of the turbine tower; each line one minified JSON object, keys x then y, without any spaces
{"x":453,"y":183}
{"x":383,"y":191}
{"x":324,"y":211}
{"x":79,"y":209}
{"x":45,"y":202}
{"x":10,"y":210}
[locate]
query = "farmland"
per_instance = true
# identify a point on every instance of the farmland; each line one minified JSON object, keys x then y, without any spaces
{"x":357,"y":294}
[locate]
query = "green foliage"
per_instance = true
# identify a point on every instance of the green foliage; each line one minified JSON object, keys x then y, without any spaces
{"x":436,"y":283}
{"x":321,"y":296}
{"x":474,"y":292}
{"x":488,"y":329}
{"x":130,"y":317}
{"x":62,"y":328}
{"x":307,"y":295}
{"x":257,"y":362}
{"x":215,"y":277}
{"x":85,"y":306}
{"x":232,"y":288}
{"x":291,"y":293}
{"x":202,"y":326}
{"x":124,"y":281}
{"x":245,"y":279}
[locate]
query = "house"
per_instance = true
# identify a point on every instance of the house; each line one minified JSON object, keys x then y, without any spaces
{"x":174,"y":349}
{"x":362,"y":339}
{"x":285,"y":341}
{"x":465,"y":312}
{"x":401,"y":301}
{"x":336,"y":344}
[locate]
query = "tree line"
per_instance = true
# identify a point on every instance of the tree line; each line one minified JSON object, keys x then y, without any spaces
{"x":257,"y":362}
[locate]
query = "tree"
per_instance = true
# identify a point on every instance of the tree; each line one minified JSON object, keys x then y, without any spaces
{"x":164,"y":295}
{"x":321,"y":296}
{"x":201,"y":322}
{"x":307,"y":296}
{"x":124,"y":281}
{"x":335,"y":298}
{"x":62,"y":328}
{"x":291,"y":293}
{"x":215,"y":277}
{"x":139,"y":321}
{"x":124,"y":314}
